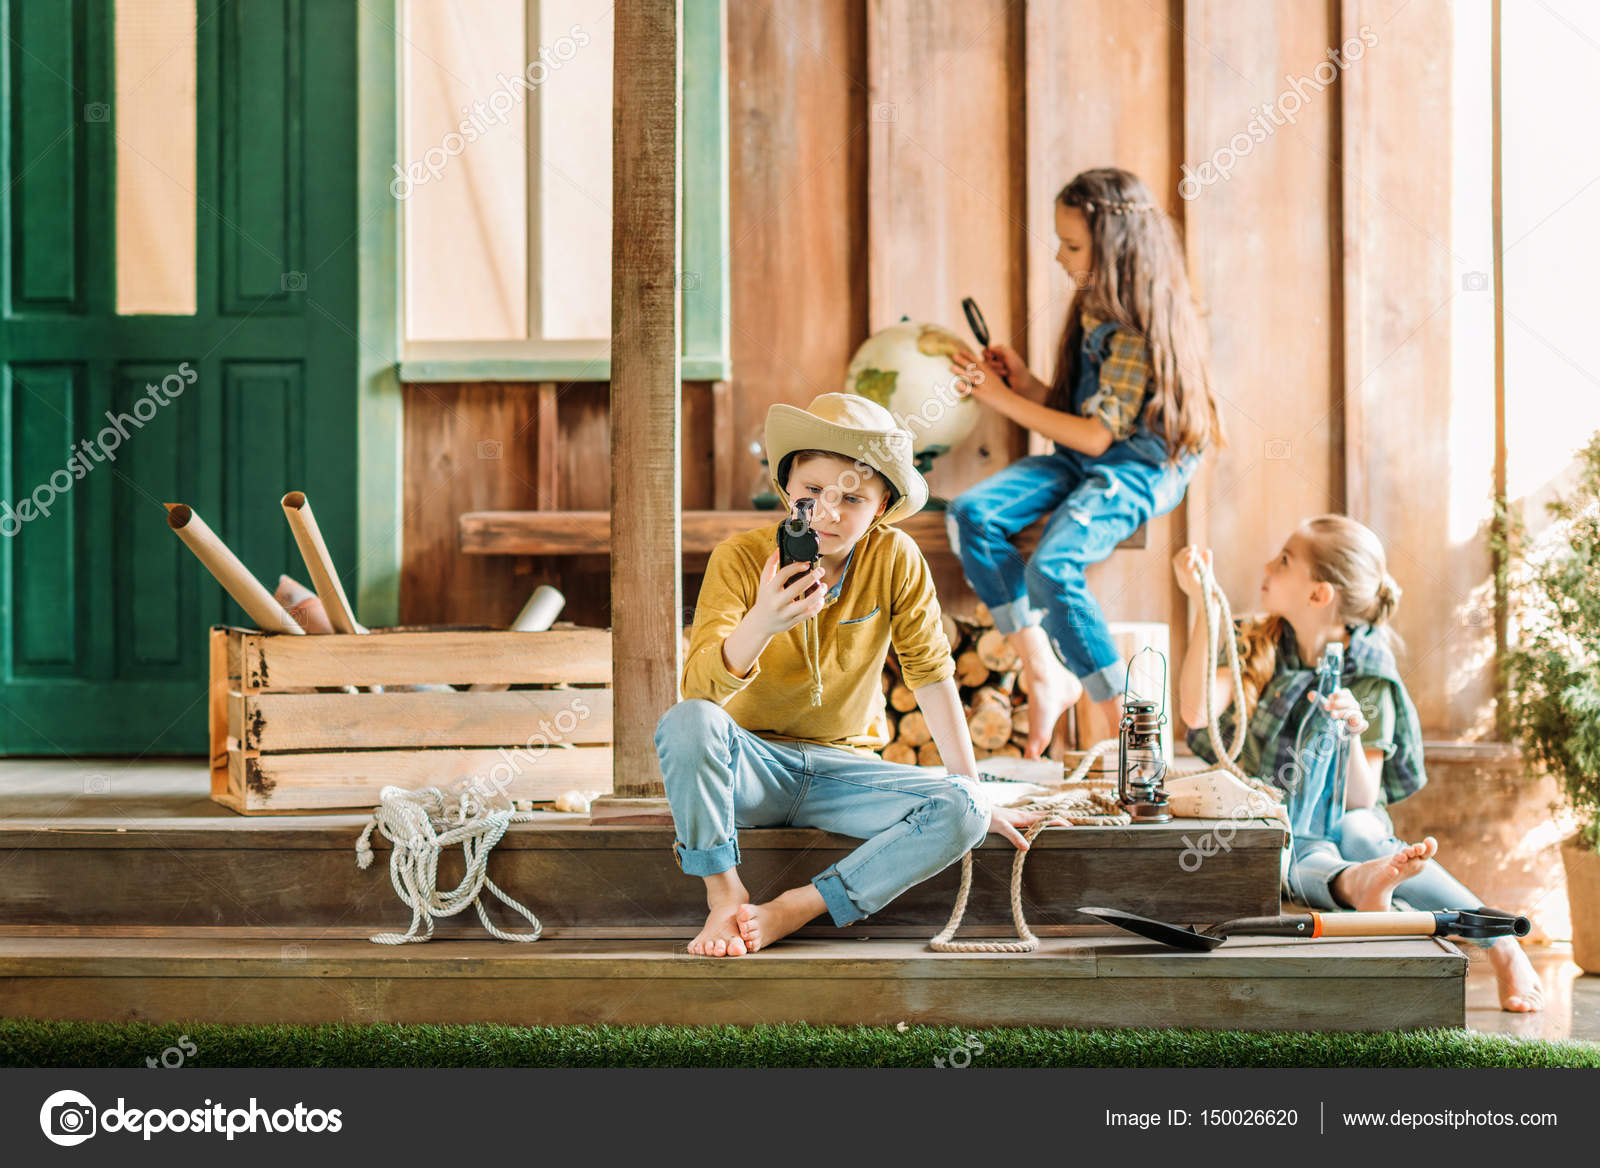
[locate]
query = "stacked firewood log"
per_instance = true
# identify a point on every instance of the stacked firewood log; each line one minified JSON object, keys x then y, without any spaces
{"x":993,"y":696}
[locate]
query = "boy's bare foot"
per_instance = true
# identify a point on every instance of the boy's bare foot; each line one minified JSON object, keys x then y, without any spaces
{"x":720,"y":937}
{"x":1052,"y":690}
{"x":1369,"y":886}
{"x":762,"y":924}
{"x":1520,"y":989}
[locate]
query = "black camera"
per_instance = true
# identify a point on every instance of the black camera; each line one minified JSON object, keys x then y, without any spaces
{"x":797,"y":541}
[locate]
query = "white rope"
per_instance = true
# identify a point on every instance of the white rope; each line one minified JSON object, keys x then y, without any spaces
{"x":421,"y":825}
{"x":1084,"y":797}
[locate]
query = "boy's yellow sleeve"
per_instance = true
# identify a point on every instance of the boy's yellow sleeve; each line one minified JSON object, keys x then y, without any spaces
{"x":915,"y":628}
{"x":726,"y":594}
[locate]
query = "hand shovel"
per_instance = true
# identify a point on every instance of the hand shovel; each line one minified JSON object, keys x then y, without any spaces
{"x":1473,"y":923}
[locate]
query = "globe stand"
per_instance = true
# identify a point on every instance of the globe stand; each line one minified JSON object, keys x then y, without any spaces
{"x":923,"y":460}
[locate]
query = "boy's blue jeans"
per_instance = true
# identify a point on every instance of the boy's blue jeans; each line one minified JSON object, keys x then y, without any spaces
{"x":1096,"y":505}
{"x":1367,"y":834}
{"x":721,"y":777}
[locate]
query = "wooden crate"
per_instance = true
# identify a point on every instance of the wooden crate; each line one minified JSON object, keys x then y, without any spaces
{"x":284,"y":739}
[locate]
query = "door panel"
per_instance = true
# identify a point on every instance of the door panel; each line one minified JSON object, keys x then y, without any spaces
{"x":103,"y":612}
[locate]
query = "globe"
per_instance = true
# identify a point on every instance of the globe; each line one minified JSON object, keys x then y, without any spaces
{"x":905,"y":368}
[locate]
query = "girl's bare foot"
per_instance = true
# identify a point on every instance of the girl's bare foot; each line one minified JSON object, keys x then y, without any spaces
{"x":1369,"y":886}
{"x":762,"y":924}
{"x":1052,"y":691}
{"x":1520,"y":989}
{"x":720,"y":937}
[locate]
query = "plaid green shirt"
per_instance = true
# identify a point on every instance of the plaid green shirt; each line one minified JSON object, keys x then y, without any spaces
{"x":1283,"y":707}
{"x":1124,"y":377}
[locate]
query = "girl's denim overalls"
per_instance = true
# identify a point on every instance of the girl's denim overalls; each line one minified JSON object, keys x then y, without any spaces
{"x":1093,"y":503}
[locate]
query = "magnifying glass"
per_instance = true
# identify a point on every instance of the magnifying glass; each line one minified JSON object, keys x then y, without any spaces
{"x":979,"y":326}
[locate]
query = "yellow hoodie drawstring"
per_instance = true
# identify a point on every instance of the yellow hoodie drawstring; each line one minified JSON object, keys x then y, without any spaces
{"x":814,"y":660}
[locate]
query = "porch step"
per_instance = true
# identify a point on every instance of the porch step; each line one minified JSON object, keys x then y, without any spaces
{"x":134,"y":847}
{"x":299,"y":872}
{"x":1071,"y":982}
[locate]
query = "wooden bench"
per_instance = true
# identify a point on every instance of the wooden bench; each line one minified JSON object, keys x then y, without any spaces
{"x":580,"y":533}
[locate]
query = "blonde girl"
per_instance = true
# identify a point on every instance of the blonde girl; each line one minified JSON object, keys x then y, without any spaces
{"x":1329,"y":583}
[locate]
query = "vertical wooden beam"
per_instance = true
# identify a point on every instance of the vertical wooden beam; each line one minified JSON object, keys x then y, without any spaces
{"x":726,"y":457}
{"x":1502,"y":599}
{"x":1187,"y":120}
{"x":646,"y":465}
{"x":943,"y":222}
{"x":379,"y":522}
{"x":1353,"y":99}
{"x":547,"y":436}
{"x":707,"y":290}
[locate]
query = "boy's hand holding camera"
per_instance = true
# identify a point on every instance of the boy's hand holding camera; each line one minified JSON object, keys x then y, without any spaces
{"x":780,"y":605}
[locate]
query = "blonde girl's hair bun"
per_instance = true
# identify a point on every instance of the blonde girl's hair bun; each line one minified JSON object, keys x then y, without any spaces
{"x":1388,"y":599}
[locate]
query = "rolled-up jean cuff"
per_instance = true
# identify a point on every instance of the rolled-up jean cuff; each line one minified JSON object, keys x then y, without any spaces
{"x":1019,"y":614}
{"x":1104,"y":684}
{"x":707,"y":861}
{"x":841,"y":908}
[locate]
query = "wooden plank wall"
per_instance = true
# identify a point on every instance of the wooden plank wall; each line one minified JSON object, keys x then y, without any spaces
{"x":890,"y":157}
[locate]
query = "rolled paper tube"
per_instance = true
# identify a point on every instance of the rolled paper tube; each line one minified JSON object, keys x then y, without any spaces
{"x":234,"y":577}
{"x":536,"y":616}
{"x":315,"y":552}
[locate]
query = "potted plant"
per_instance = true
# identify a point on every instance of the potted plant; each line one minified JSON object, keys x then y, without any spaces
{"x":1552,"y":674}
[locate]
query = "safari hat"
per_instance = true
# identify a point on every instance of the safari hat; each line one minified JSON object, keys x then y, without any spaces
{"x":853,"y":427}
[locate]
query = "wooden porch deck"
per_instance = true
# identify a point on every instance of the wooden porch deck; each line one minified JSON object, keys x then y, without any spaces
{"x":130,"y":895}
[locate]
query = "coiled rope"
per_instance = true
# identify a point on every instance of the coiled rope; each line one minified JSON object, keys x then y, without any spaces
{"x":420,"y":825}
{"x":1084,"y":802}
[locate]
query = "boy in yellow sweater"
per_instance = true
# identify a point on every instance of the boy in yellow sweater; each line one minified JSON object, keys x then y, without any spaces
{"x":783,"y":703}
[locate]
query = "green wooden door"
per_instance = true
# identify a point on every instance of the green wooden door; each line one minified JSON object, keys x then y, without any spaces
{"x":103,"y":613}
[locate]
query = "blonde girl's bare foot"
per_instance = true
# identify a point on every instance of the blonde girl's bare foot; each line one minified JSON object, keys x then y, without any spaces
{"x":720,"y":937}
{"x":762,"y":924}
{"x":1520,"y":988}
{"x":1369,"y":886}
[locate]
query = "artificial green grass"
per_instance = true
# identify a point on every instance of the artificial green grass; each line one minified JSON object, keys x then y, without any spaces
{"x":30,"y":1043}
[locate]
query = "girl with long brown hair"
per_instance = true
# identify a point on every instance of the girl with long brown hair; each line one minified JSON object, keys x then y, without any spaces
{"x":1129,"y":408}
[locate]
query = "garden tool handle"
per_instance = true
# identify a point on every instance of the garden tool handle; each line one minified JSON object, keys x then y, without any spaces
{"x":1375,"y":924}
